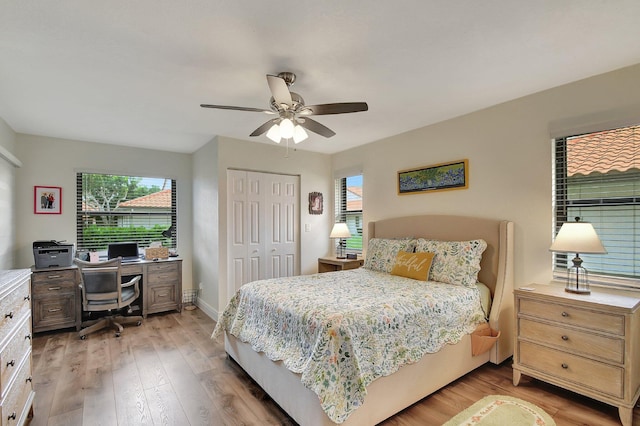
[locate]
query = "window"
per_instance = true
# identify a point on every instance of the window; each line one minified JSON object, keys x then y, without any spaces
{"x":597,"y":178}
{"x":348,"y":209}
{"x":113,"y":208}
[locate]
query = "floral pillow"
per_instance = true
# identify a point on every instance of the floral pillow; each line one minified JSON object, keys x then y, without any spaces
{"x":382,"y":252}
{"x":456,"y":262}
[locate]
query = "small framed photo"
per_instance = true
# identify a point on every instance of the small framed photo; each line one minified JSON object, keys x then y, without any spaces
{"x":315,"y":203}
{"x":47,"y":200}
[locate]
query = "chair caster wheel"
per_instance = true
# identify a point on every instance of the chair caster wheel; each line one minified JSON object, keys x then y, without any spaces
{"x":83,"y":337}
{"x":117,"y":334}
{"x":139,"y":323}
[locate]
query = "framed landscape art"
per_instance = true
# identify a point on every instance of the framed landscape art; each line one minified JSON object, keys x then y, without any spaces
{"x":438,"y":177}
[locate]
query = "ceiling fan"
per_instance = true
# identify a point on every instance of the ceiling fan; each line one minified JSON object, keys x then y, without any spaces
{"x":292,"y":114}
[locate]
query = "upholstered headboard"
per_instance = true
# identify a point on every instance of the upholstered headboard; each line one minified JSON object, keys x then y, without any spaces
{"x":496,"y":265}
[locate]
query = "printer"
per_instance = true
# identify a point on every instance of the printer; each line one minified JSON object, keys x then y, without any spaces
{"x":48,"y":254}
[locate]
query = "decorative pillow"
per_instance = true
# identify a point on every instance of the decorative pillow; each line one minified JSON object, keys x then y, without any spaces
{"x":382,"y":252}
{"x":456,"y":262}
{"x":413,"y":265}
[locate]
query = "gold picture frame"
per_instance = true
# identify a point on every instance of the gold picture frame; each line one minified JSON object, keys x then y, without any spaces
{"x":436,"y":177}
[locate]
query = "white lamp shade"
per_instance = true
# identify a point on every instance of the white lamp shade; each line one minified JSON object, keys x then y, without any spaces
{"x":274,"y":133}
{"x":299,"y":134}
{"x":286,"y":128}
{"x":340,"y":230}
{"x":577,"y":237}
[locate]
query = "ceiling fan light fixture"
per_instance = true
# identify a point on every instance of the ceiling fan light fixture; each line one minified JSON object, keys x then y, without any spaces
{"x":274,"y":133}
{"x":299,"y":134}
{"x":286,"y":128}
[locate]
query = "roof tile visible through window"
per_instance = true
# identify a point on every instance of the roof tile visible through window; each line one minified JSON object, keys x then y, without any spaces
{"x":354,"y":198}
{"x":604,"y":151}
{"x":160,"y":199}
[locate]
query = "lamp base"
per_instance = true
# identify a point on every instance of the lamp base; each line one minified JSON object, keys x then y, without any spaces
{"x":578,"y":291}
{"x":341,"y":257}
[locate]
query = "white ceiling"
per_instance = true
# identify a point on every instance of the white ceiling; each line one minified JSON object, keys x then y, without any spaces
{"x":135,"y":72}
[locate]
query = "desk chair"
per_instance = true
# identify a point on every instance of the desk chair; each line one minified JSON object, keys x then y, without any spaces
{"x":103,"y":291}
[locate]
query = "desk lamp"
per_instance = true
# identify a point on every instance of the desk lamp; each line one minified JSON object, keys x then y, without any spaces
{"x":340,"y":231}
{"x":577,"y":237}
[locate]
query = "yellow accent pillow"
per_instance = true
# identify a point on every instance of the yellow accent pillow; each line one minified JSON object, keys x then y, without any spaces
{"x":413,"y":265}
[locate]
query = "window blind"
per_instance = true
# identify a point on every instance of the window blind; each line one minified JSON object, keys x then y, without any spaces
{"x":597,"y":178}
{"x":115,"y":208}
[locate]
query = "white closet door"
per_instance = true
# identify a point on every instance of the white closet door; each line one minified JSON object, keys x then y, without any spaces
{"x":281,"y":243}
{"x":237,"y":239}
{"x":262,"y":212}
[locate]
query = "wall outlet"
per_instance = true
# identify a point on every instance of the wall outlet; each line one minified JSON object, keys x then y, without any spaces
{"x":307,"y":227}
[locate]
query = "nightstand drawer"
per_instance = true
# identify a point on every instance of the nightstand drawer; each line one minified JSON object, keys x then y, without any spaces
{"x":572,"y":340}
{"x":584,"y":372}
{"x":570,"y":315}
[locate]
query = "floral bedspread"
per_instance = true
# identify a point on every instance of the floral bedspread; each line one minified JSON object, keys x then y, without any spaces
{"x":342,"y":330}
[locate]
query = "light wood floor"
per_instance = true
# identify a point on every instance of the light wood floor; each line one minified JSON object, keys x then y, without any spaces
{"x":169,"y":372}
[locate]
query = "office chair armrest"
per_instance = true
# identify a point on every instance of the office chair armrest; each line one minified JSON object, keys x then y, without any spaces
{"x":132,"y":281}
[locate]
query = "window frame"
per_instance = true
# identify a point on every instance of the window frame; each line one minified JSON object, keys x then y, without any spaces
{"x":341,"y":212}
{"x":84,"y":245}
{"x":563,"y":203}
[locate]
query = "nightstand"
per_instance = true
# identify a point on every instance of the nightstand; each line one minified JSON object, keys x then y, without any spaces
{"x":331,"y":264}
{"x":585,"y":343}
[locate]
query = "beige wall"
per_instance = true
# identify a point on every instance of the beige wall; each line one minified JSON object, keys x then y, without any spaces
{"x":55,"y":162}
{"x":7,"y":197}
{"x":509,"y":151}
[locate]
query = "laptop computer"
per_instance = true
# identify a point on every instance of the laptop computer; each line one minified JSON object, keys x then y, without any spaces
{"x":127,"y":251}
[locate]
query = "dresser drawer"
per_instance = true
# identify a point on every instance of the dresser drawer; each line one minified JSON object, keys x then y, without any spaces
{"x":162,"y":273}
{"x":13,"y":352}
{"x":14,"y":307}
{"x":14,"y":407}
{"x":584,"y":372}
{"x":583,"y":318}
{"x":54,"y":282}
{"x":572,"y":340}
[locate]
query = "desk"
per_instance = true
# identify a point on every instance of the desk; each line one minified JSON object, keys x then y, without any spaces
{"x":57,"y":302}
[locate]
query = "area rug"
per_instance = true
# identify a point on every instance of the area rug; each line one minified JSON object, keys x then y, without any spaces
{"x":499,"y":410}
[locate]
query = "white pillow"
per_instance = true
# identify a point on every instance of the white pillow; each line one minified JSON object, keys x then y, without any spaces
{"x":456,"y":262}
{"x":382,"y":252}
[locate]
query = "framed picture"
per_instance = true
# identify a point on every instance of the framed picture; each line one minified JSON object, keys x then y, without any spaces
{"x":47,"y":200}
{"x":315,"y":203}
{"x":438,"y":177}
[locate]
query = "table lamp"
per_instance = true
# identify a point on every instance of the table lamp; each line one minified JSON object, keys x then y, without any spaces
{"x":577,"y":237}
{"x":340,"y":231}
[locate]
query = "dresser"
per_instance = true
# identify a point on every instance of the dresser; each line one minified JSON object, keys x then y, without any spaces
{"x":588,"y":344}
{"x":16,"y":384}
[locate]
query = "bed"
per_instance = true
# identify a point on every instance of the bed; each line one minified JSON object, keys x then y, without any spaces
{"x":390,"y":393}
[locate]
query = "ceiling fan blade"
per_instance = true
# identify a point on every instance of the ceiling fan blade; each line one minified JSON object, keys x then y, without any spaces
{"x":336,"y":108}
{"x":266,"y":126}
{"x":279,"y":90}
{"x":316,"y":127}
{"x":236,"y":108}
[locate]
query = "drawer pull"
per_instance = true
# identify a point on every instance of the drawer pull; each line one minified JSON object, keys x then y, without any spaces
{"x":565,"y":338}
{"x":12,"y":416}
{"x":54,"y":276}
{"x":564,"y":314}
{"x":565,"y":366}
{"x":163,"y":294}
{"x":28,"y":379}
{"x":27,"y":297}
{"x":11,"y":363}
{"x":54,"y":288}
{"x":9,"y":315}
{"x":27,"y":337}
{"x":54,"y":310}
